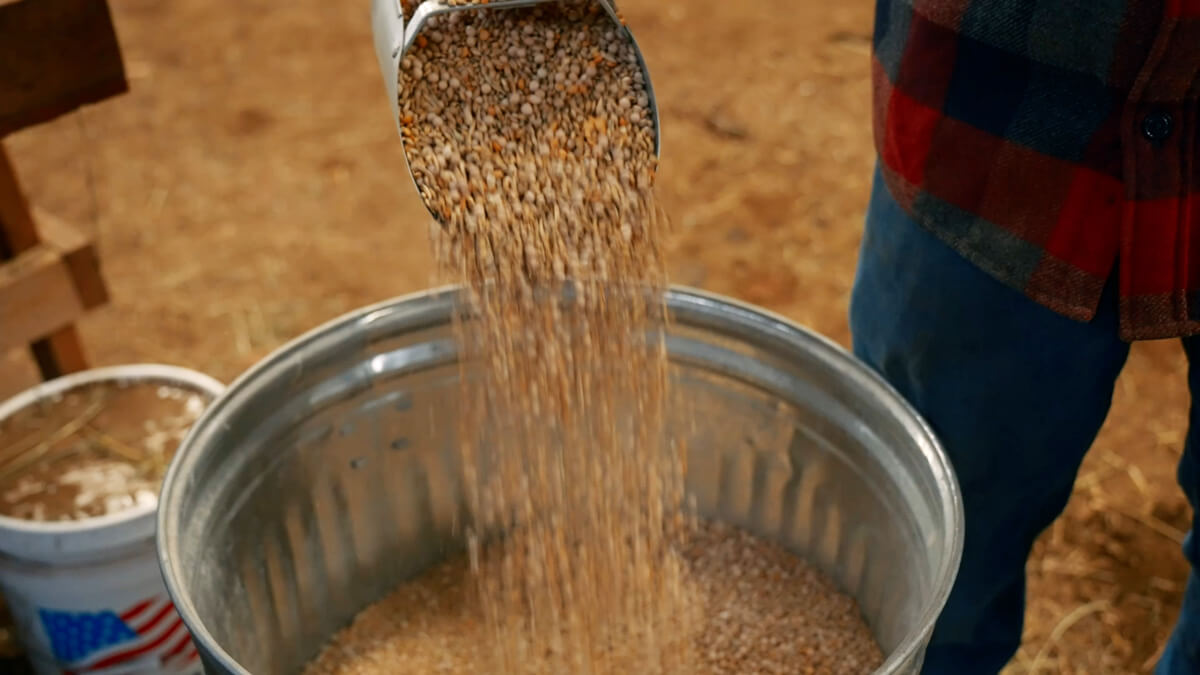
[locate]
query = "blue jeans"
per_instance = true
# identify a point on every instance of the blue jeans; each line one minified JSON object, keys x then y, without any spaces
{"x":1017,"y":395}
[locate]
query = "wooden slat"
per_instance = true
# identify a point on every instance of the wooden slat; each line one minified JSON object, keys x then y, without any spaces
{"x":46,"y":327}
{"x":17,"y":231}
{"x":60,"y":353}
{"x":37,"y":297}
{"x":55,"y":56}
{"x":79,"y":252}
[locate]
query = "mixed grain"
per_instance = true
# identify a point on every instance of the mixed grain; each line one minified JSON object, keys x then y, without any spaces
{"x":530,"y":136}
{"x":764,"y":611}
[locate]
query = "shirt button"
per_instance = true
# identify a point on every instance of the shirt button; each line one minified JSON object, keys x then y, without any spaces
{"x":1156,"y":126}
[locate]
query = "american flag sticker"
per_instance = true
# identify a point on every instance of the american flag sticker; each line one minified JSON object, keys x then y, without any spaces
{"x":148,"y":637}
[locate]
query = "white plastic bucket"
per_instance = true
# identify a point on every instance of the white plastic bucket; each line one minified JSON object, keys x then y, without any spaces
{"x":87,"y":595}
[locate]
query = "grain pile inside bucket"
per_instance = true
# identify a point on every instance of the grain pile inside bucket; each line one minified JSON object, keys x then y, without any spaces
{"x":530,"y":136}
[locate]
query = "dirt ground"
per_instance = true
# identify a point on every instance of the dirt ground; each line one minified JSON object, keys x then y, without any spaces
{"x":251,"y":186}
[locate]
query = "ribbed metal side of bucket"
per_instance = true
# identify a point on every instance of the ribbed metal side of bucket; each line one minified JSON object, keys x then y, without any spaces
{"x":328,"y":474}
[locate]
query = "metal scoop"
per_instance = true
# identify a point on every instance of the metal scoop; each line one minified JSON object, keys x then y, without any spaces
{"x":393,"y":39}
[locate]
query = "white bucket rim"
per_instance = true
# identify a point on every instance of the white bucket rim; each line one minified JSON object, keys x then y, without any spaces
{"x":65,"y":541}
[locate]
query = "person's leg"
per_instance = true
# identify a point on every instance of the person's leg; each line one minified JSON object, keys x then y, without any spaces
{"x":1182,"y":653}
{"x":1015,"y":392}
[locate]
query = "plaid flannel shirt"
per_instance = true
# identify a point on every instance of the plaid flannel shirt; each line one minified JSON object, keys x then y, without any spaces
{"x":1052,"y":143}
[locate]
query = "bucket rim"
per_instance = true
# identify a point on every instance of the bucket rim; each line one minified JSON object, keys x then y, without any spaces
{"x":67,"y":541}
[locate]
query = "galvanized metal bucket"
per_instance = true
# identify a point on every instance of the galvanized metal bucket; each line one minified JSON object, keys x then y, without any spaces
{"x":326,"y":475}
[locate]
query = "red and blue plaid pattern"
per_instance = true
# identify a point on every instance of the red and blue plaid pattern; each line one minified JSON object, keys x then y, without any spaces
{"x":1052,"y":142}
